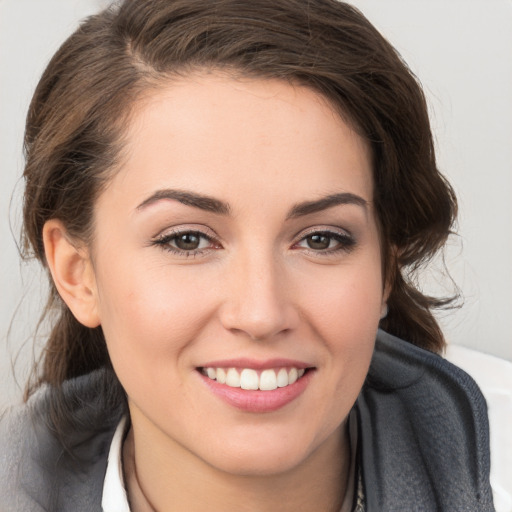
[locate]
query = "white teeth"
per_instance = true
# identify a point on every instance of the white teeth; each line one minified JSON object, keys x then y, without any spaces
{"x":221,"y":375}
{"x":268,"y":380}
{"x":233,"y":378}
{"x":249,"y":379}
{"x":282,"y":378}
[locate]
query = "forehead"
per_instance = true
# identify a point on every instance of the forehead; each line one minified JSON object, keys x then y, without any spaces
{"x":226,"y":136}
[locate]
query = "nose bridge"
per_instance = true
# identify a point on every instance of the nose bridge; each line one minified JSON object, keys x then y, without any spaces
{"x":257,"y":302}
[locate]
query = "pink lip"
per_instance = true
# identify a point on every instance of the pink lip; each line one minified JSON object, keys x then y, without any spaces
{"x":258,"y":401}
{"x":255,"y":364}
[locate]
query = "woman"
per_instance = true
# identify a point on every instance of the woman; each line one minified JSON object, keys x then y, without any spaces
{"x":231,"y":198}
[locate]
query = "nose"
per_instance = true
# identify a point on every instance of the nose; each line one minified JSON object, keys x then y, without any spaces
{"x":258,"y":299}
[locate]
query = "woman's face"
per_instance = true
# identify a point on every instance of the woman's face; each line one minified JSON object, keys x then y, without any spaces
{"x":239,"y":241}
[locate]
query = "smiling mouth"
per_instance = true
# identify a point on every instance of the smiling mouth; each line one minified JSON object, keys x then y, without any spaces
{"x":250,"y":379}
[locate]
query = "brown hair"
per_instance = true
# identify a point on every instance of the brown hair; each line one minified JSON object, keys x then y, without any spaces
{"x":75,"y":125}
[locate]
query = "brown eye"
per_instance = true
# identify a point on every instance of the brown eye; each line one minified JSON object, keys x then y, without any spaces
{"x":319,"y":241}
{"x":327,"y":242}
{"x":187,"y":241}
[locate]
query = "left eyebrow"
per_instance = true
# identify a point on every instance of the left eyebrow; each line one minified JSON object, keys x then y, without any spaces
{"x":309,"y":207}
{"x":202,"y":202}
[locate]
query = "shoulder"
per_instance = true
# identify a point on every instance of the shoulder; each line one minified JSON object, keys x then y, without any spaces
{"x":44,"y":466}
{"x":424,"y":433}
{"x":15,"y":436}
{"x":494,"y":377}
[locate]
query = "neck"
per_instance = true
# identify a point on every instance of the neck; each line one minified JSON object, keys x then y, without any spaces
{"x":188,"y":483}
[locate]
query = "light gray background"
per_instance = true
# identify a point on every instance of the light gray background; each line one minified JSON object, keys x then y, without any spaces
{"x":462,"y":52}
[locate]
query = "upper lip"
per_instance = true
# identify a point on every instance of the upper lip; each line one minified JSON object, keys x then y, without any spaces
{"x":256,"y":364}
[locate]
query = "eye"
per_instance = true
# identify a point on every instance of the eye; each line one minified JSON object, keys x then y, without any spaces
{"x":326,"y":241}
{"x":186,"y":242}
{"x":319,"y":241}
{"x":189,"y":241}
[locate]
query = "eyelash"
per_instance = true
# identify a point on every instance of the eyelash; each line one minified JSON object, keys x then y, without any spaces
{"x":345,"y":242}
{"x":164,"y":241}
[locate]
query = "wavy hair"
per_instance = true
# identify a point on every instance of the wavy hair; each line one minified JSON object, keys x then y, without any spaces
{"x":75,"y":127}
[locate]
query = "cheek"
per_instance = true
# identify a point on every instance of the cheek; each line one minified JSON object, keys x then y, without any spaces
{"x":345,"y":303}
{"x":345,"y":312}
{"x":149,"y":311}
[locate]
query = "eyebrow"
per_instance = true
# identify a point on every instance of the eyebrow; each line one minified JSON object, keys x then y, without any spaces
{"x":200,"y":201}
{"x":210,"y":204}
{"x":309,"y":207}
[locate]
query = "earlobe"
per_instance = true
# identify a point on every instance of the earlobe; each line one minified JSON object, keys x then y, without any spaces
{"x":72,"y":273}
{"x":385,"y":296}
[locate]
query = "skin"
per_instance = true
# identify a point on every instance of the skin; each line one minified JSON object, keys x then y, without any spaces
{"x":256,"y":288}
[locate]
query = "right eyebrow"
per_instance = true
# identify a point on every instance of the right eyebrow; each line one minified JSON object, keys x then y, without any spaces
{"x":206,"y":203}
{"x":309,"y":207}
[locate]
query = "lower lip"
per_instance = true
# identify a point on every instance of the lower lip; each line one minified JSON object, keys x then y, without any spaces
{"x":259,"y":401}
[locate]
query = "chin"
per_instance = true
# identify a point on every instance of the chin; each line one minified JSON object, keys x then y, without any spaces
{"x":264,"y":455}
{"x":258,"y":464}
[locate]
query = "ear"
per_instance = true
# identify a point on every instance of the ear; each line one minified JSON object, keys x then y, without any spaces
{"x":72,"y":273}
{"x":385,"y":296}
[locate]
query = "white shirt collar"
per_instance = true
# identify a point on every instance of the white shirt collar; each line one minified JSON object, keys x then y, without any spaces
{"x":114,"y":497}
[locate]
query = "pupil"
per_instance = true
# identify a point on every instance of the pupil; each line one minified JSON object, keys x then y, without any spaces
{"x":187,"y":241}
{"x":319,"y":241}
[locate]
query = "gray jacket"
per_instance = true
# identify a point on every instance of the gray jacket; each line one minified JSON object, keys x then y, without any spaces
{"x":423,"y":431}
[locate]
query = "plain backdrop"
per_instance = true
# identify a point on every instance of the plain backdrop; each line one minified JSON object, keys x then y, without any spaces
{"x":461,"y":50}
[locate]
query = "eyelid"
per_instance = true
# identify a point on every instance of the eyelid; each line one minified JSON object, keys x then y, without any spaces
{"x":186,"y":228}
{"x":323,"y":229}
